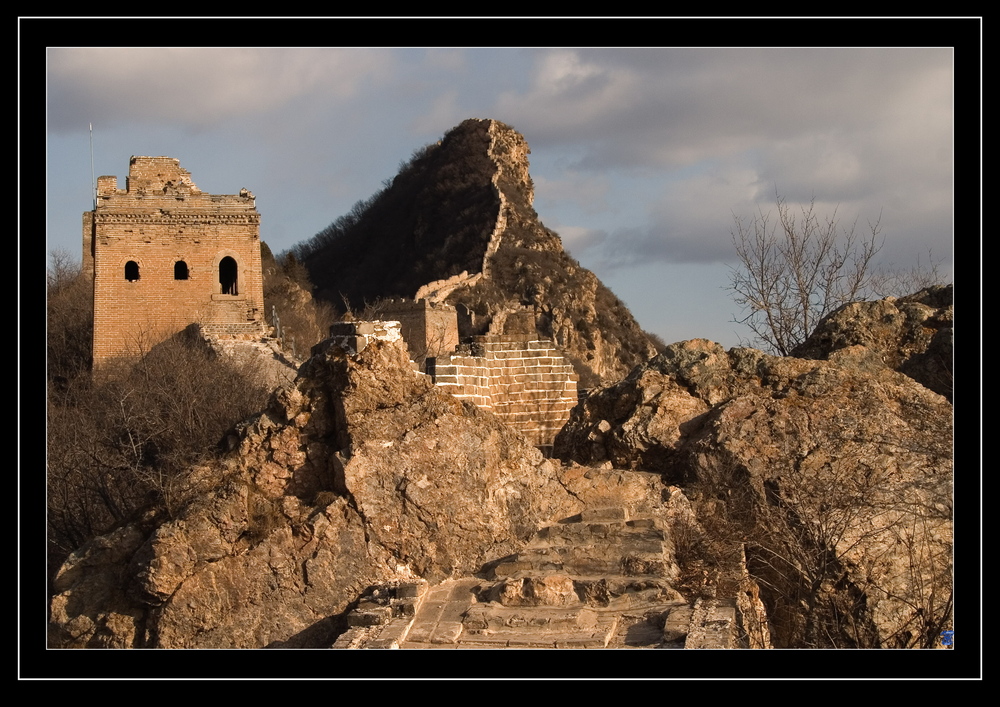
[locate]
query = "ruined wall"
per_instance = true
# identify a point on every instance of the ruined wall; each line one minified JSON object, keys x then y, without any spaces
{"x":164,"y":255}
{"x":429,"y":330}
{"x":353,"y":337}
{"x":523,"y":380}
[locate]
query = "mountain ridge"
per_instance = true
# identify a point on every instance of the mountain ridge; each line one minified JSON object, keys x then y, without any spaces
{"x":458,"y":225}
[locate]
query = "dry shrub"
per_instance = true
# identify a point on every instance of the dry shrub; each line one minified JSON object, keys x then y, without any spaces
{"x":122,"y":441}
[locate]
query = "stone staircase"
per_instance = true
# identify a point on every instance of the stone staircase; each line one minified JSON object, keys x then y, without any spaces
{"x":596,"y":580}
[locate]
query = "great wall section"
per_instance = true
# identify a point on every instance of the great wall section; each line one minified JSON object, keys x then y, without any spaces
{"x":523,"y":380}
{"x":166,"y":257}
{"x":600,"y":579}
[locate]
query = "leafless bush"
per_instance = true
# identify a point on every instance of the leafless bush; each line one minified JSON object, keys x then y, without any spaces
{"x":124,"y":440}
{"x":845,"y":549}
{"x":70,"y":317}
{"x":794,"y":271}
{"x":657,"y":341}
{"x":304,"y":321}
{"x":900,"y":281}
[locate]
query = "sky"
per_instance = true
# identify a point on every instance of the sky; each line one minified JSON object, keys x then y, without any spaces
{"x":641,"y":157}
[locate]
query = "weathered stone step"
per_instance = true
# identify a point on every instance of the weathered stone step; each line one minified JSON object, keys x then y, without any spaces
{"x":578,"y":533}
{"x":564,"y":591}
{"x":493,"y":626}
{"x":493,"y":617}
{"x":609,"y":551}
{"x":581,"y":561}
{"x":713,"y":625}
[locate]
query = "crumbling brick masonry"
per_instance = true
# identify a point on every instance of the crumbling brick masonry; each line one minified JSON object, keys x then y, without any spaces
{"x":164,"y":255}
{"x":523,"y":380}
{"x":429,"y":330}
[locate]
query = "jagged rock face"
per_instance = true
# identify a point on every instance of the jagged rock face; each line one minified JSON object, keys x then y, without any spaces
{"x":837,"y":478}
{"x":913,"y":335}
{"x":441,"y":484}
{"x":359,"y":473}
{"x":458,"y":222}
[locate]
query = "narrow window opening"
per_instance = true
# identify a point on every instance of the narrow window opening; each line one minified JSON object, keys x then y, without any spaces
{"x":131,"y":271}
{"x":227,"y":276}
{"x":180,"y":270}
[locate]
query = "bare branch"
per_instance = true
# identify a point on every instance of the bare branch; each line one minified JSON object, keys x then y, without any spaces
{"x":795,"y":271}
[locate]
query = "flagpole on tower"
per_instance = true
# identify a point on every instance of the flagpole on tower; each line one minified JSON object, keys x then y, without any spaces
{"x":93,"y":183}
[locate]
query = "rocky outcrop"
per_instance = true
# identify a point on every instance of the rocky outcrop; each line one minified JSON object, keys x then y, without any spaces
{"x":362,"y":472}
{"x":834,"y":475}
{"x":458,"y":225}
{"x":913,"y":335}
{"x":603,"y":578}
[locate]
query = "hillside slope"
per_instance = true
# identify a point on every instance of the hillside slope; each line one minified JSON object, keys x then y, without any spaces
{"x":457,"y":225}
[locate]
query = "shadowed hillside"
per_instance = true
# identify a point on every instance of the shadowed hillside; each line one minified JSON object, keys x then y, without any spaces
{"x":457,"y":225}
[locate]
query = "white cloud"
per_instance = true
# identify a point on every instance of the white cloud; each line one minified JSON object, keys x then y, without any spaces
{"x":568,"y":96}
{"x":444,"y":111}
{"x":577,"y":239}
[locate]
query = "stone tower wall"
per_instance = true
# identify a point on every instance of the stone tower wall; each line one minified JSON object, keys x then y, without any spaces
{"x":429,"y":330}
{"x":160,"y":218}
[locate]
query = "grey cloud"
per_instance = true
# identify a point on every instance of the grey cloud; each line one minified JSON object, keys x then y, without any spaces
{"x":193,"y":86}
{"x":699,"y":103}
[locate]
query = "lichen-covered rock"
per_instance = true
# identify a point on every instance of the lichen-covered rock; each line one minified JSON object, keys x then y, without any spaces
{"x":441,"y":484}
{"x":913,"y":335}
{"x":360,"y":473}
{"x":835,"y":477}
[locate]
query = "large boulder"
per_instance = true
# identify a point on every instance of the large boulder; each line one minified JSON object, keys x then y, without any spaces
{"x":913,"y":335}
{"x":834,"y":475}
{"x":361,"y":472}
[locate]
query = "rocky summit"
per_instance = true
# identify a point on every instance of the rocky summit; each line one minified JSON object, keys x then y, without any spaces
{"x":364,"y":494}
{"x":457,"y":225}
{"x":359,"y":473}
{"x":835,"y":477}
{"x":913,"y":335}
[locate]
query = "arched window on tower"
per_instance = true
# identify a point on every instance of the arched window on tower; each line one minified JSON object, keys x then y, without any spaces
{"x":227,"y":276}
{"x":131,"y":271}
{"x":180,"y":270}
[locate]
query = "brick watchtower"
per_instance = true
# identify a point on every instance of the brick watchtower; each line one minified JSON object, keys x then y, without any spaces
{"x":164,"y":255}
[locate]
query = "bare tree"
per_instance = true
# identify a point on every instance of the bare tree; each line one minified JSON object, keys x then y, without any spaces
{"x":794,"y":270}
{"x":905,"y":281}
